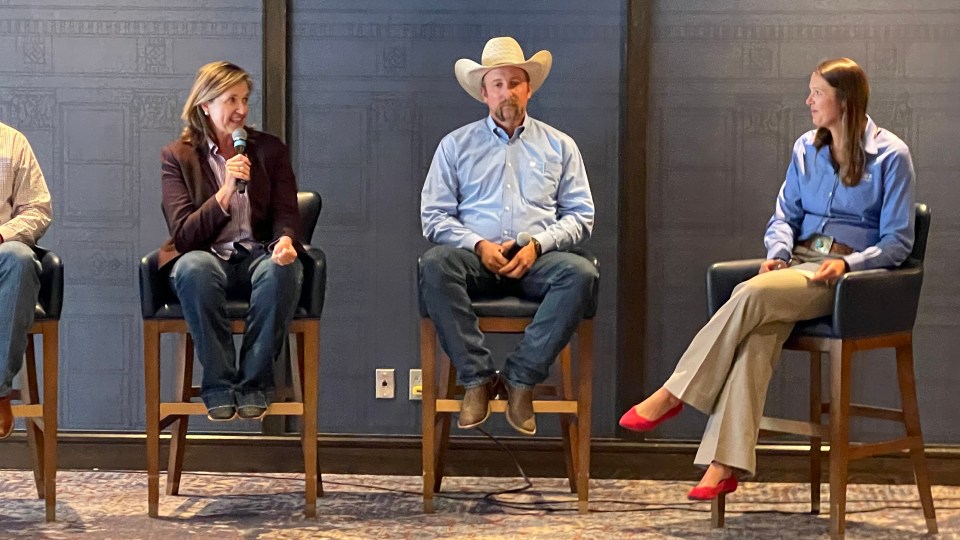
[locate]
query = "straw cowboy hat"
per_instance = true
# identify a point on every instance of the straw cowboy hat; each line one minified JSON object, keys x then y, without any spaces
{"x":502,"y":52}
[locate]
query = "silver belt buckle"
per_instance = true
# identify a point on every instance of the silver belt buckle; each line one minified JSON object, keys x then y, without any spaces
{"x":822,"y":243}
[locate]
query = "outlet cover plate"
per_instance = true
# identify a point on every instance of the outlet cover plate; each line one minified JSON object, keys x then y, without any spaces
{"x":415,"y":389}
{"x":386,"y":387}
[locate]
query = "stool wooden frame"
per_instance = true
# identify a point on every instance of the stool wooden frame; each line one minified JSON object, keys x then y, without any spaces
{"x":163,"y":414}
{"x":41,"y":416}
{"x":837,"y":431}
{"x":574,"y":409}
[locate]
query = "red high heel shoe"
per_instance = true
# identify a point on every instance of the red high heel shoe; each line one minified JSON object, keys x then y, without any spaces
{"x":727,"y":485}
{"x":634,"y":422}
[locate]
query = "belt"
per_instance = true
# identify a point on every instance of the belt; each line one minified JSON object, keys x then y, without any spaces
{"x":820,"y":243}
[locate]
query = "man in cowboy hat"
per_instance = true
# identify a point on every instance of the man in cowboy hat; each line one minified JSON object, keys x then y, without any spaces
{"x":492,"y":181}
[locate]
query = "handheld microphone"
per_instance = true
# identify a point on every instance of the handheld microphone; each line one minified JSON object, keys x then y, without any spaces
{"x":522,"y":240}
{"x":240,"y":146}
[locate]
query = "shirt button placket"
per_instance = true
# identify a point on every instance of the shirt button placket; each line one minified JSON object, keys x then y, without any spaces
{"x":509,"y":179}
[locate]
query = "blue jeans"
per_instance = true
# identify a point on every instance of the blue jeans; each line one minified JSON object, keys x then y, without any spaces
{"x":19,"y":287}
{"x":562,"y":282}
{"x":203,"y":282}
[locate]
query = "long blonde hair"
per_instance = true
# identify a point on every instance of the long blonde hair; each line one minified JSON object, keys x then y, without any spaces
{"x":853,"y":92}
{"x":212,"y":80}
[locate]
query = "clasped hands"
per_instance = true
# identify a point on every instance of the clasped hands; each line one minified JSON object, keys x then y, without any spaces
{"x":492,"y":256}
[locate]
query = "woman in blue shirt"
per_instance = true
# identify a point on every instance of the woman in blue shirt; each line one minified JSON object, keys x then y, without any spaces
{"x":846,"y":204}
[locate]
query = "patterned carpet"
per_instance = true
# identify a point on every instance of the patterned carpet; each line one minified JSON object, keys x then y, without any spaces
{"x":113,"y":505}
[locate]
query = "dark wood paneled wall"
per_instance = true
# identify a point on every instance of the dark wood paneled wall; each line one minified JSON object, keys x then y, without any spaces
{"x":632,"y":285}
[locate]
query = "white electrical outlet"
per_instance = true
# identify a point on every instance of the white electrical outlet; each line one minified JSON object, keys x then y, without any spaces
{"x":416,"y":384}
{"x":386,"y":388}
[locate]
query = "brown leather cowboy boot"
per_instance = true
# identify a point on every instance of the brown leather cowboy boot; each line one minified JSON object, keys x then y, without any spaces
{"x":520,"y":410}
{"x":6,"y":418}
{"x":475,"y":408}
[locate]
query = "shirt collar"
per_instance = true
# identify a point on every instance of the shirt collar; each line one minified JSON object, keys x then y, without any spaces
{"x":500,"y":133}
{"x":870,"y":136}
{"x":212,"y":146}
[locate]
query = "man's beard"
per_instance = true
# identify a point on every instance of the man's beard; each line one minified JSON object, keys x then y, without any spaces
{"x":508,"y":110}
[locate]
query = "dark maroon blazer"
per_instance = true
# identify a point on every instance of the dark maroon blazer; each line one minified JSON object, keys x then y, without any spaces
{"x":193,"y":214}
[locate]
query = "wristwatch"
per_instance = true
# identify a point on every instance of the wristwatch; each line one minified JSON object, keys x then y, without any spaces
{"x":536,"y":246}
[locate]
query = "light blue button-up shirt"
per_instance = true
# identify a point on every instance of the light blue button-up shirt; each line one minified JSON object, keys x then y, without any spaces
{"x":484,"y":185}
{"x":875,"y":217}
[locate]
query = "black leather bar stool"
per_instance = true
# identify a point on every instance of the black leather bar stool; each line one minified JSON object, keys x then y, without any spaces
{"x":873,"y":309}
{"x":162,"y":314}
{"x":511,"y":315}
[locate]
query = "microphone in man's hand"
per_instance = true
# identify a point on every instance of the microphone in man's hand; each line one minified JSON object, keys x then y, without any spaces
{"x":240,"y":146}
{"x":522,"y":240}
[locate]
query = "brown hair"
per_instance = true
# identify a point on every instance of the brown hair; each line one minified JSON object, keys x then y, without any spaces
{"x":212,"y":80}
{"x":853,"y":92}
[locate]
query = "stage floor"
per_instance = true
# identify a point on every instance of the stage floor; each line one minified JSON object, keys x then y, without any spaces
{"x":100,"y":504}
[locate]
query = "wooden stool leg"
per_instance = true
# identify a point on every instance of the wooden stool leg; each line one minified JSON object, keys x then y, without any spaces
{"x":178,"y":430}
{"x":448,"y":384}
{"x":283,"y":363}
{"x":151,"y":360}
{"x":911,"y":421}
{"x":816,"y":414}
{"x":296,"y":374}
{"x":30,"y":395}
{"x":568,"y":429}
{"x":840,"y":375}
{"x":718,"y":508}
{"x":428,"y":363}
{"x":296,"y":368}
{"x":311,"y":352}
{"x":584,"y":401}
{"x":51,"y":367}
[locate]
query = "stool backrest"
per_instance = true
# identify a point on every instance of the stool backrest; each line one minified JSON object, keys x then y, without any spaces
{"x":310,"y":203}
{"x":921,"y":229}
{"x":50,"y":298}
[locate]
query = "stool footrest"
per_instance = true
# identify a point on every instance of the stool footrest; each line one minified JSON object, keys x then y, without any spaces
{"x":860,"y":451}
{"x":500,"y":406}
{"x":199,"y":409}
{"x":34,"y":410}
{"x":881,"y":413}
{"x":539,"y":391}
{"x":795,"y":427}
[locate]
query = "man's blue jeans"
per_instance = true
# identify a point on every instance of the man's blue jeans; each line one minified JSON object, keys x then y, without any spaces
{"x":562,"y":282}
{"x":203,"y":282}
{"x":19,"y":287}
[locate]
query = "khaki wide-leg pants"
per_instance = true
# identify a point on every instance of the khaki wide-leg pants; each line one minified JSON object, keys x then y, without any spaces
{"x":728,"y":365}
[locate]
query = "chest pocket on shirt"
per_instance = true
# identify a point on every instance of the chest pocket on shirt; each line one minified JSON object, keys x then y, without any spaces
{"x":540,"y":182}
